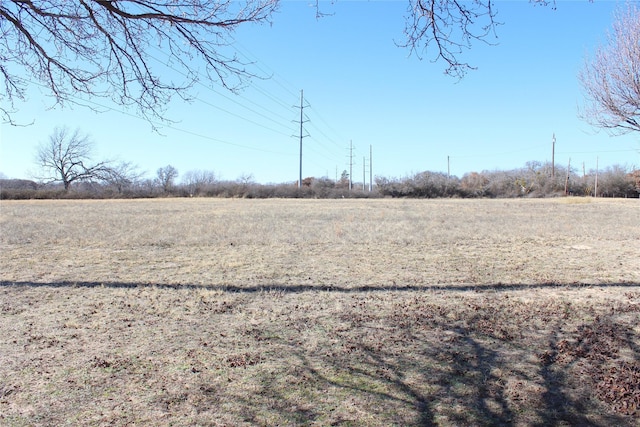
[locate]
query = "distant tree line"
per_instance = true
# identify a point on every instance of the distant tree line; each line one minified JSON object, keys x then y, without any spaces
{"x":535,"y":179}
{"x":69,"y":171}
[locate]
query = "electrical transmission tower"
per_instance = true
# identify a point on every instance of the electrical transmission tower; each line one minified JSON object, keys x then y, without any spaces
{"x":364,"y":173}
{"x":553,"y":156}
{"x":350,"y":164}
{"x":302,"y":134}
{"x":370,"y":168}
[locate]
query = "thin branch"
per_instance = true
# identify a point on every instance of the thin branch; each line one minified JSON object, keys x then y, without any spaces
{"x":105,"y":47}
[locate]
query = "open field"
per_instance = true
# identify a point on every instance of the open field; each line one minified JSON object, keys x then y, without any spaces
{"x":308,"y":312}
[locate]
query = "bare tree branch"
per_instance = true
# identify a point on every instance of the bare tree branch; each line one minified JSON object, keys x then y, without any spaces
{"x":450,"y":27}
{"x":121,"y":176}
{"x":84,"y":49}
{"x":104,"y":49}
{"x":611,"y":79}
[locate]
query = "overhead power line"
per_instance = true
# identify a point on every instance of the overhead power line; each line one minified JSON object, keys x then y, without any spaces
{"x":164,"y":125}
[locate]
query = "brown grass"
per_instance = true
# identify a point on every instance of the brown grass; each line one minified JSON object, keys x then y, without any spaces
{"x":303,"y":312}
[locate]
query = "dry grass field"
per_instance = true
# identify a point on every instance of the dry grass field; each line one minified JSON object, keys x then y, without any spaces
{"x":305,"y":312}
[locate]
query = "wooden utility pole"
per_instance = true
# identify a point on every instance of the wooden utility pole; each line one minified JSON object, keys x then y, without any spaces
{"x":566,"y":181}
{"x":595,"y":188}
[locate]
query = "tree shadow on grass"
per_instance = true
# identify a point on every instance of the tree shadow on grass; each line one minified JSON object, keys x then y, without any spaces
{"x":429,"y":370}
{"x":423,"y":364}
{"x":324,"y":288}
{"x":606,"y":352}
{"x":396,"y":389}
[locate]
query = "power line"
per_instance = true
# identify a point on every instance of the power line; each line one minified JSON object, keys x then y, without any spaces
{"x":273,"y":98}
{"x":223,"y":95}
{"x":329,"y":127}
{"x":325,"y":148}
{"x":319,"y":153}
{"x":244,"y":51}
{"x":599,"y":151}
{"x":231,"y":100}
{"x":276,"y":78}
{"x":267,"y":94}
{"x":241,"y":117}
{"x":504,"y":153}
{"x":257,"y":63}
{"x":165,"y":125}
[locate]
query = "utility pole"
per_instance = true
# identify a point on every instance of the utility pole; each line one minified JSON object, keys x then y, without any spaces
{"x":566,"y":181}
{"x":448,"y":168}
{"x":553,"y":156}
{"x":595,"y":189}
{"x":370,"y":168}
{"x":350,"y":163}
{"x":364,"y":172}
{"x":302,"y":135}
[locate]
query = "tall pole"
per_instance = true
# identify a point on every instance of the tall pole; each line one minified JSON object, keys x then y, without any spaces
{"x":364,"y":172}
{"x":595,"y":189}
{"x":301,"y":108}
{"x":553,"y":155}
{"x":370,"y":168}
{"x":448,"y":168}
{"x":566,"y":182}
{"x":350,"y":163}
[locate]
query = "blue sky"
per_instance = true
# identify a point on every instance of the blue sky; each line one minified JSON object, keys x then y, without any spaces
{"x":360,"y":87}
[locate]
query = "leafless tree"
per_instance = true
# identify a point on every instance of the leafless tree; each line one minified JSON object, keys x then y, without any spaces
{"x":166,"y":177}
{"x":197,"y":180}
{"x":66,"y":158}
{"x":122,"y":176}
{"x":246,"y":179}
{"x":107,"y":48}
{"x":611,"y":79}
{"x":616,"y":181}
{"x":85,"y":49}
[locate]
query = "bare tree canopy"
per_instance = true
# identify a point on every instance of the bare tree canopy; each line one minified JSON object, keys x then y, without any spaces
{"x":611,"y":79}
{"x":122,"y":175}
{"x":106,"y":48}
{"x":66,"y":158}
{"x":166,"y":177}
